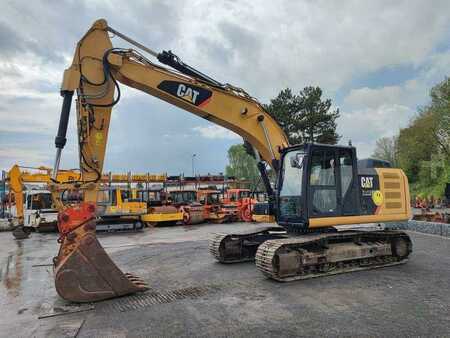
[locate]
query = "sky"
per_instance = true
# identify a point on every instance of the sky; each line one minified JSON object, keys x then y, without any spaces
{"x":376,"y":60}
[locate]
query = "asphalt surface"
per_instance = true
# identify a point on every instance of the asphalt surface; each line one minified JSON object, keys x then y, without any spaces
{"x":192,"y":295}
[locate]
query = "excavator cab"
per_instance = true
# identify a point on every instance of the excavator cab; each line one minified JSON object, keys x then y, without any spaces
{"x":322,"y":186}
{"x":316,"y":181}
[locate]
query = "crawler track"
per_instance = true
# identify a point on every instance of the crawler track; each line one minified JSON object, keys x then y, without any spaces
{"x":241,"y":246}
{"x":119,"y":225}
{"x":317,"y":255}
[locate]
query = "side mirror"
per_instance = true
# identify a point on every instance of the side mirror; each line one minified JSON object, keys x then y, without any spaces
{"x":297,"y":160}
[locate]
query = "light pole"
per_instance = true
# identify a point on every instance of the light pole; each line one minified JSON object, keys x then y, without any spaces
{"x":193,"y":167}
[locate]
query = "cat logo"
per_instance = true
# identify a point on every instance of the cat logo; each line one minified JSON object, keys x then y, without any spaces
{"x":187,"y":93}
{"x":367,"y":182}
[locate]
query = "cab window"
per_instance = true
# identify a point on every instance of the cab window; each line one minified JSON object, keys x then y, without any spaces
{"x":346,"y":168}
{"x":291,"y":185}
{"x":323,"y":182}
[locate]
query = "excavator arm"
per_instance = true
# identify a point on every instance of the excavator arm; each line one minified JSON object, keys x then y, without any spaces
{"x":83,"y":270}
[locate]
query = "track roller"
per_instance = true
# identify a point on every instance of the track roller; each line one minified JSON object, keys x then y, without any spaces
{"x":241,"y":246}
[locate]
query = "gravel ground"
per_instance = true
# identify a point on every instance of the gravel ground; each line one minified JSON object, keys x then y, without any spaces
{"x":192,"y":295}
{"x":433,"y":228}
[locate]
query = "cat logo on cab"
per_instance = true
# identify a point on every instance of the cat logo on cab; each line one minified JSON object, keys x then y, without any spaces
{"x":367,"y":182}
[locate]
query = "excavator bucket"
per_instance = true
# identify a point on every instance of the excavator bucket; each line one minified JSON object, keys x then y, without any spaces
{"x":83,"y":270}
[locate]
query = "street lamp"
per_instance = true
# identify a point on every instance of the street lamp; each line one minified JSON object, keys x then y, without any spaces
{"x":193,"y":167}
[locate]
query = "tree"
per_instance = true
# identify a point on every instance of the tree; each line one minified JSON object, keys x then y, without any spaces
{"x":242,"y":165}
{"x":424,"y":146}
{"x":386,"y":149}
{"x":416,"y":143}
{"x":305,"y":117}
{"x":440,"y":108}
{"x":285,"y":109}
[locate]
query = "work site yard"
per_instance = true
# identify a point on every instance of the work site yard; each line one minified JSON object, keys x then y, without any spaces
{"x":193,"y":295}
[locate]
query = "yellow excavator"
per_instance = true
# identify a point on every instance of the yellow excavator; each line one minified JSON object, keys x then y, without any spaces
{"x":124,"y":207}
{"x":318,"y":186}
{"x":35,"y":209}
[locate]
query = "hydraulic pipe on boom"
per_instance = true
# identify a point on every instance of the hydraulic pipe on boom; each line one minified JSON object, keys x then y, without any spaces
{"x":317,"y":188}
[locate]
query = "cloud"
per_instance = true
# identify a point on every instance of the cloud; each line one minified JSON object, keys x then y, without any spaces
{"x":363,"y":127}
{"x":412,"y":92}
{"x":294,"y":44}
{"x":373,"y":98}
{"x":9,"y":155}
{"x":260,"y":46}
{"x":216,"y":132}
{"x":368,"y":114}
{"x":374,"y":123}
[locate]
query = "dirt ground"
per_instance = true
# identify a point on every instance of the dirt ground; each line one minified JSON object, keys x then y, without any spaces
{"x":192,"y":295}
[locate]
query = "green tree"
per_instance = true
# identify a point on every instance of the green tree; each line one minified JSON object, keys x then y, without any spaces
{"x":305,"y":117}
{"x":424,"y":146}
{"x":242,"y":165}
{"x":416,"y":143}
{"x":440,"y":108}
{"x":386,"y":149}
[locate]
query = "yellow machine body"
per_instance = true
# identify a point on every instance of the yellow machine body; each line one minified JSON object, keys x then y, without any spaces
{"x":390,"y":197}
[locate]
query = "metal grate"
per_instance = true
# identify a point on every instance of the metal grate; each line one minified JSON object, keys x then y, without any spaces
{"x":391,"y":176}
{"x":393,"y":205}
{"x":143,"y":300}
{"x":392,"y":185}
{"x":393,"y":195}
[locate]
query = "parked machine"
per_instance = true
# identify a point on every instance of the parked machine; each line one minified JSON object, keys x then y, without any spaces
{"x":119,"y":208}
{"x":123,"y":210}
{"x":131,"y":206}
{"x":32,"y":208}
{"x":262,"y":213}
{"x":318,"y":186}
{"x":186,"y":202}
{"x":214,"y":210}
{"x":160,"y":210}
{"x":242,"y":201}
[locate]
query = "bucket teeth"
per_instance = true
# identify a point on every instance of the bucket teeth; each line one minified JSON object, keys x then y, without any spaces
{"x":135,"y":279}
{"x":142,"y":285}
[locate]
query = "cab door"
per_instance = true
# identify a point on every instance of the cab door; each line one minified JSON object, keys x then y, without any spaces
{"x":323,"y":197}
{"x":28,"y":210}
{"x":348,"y":181}
{"x":332,"y":182}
